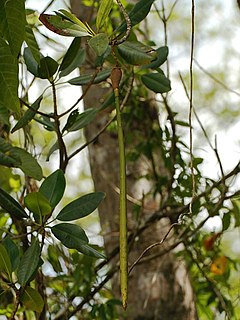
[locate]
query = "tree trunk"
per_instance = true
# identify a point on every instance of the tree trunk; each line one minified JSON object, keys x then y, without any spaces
{"x":159,"y":288}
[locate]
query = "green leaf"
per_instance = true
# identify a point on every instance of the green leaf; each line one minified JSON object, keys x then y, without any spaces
{"x":8,"y":160}
{"x":137,"y":14}
{"x":78,"y":121}
{"x":32,"y":300}
{"x":13,"y":252}
{"x":47,"y":68}
{"x":29,"y":165}
{"x":11,"y":205}
{"x":109,"y":101}
{"x":12,"y":23}
{"x":162,"y":54}
{"x":73,"y":58}
{"x":54,"y":256}
{"x":74,"y":19}
{"x":70,"y":235}
{"x":47,"y":123}
{"x":136,"y":53}
{"x":60,"y":24}
{"x":14,"y":156}
{"x":32,"y":43}
{"x":81,"y":207}
{"x":86,"y":79}
{"x":31,"y":62}
{"x":53,"y":148}
{"x":29,"y":263}
{"x":236,"y":211}
{"x":8,"y":78}
{"x":90,"y":251}
{"x":28,"y":115}
{"x":5,"y":263}
{"x":4,"y":114}
{"x":99,"y":43}
{"x":53,"y":187}
{"x":103,"y":12}
{"x":37,"y":203}
{"x":226,"y":221}
{"x":156,"y":82}
{"x":73,"y":236}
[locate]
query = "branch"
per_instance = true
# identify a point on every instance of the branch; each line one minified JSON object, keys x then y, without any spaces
{"x":215,"y":79}
{"x":116,"y":42}
{"x":191,"y":103}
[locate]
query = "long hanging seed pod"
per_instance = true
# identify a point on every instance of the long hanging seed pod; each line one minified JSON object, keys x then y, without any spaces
{"x":115,"y":78}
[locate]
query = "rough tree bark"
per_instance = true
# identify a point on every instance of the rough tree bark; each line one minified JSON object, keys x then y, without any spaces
{"x":159,"y":289}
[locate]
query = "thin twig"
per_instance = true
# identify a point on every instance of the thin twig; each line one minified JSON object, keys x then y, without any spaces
{"x":191,"y":103}
{"x":151,"y":247}
{"x":204,"y":131}
{"x":91,"y":82}
{"x":215,"y":79}
{"x":61,"y":144}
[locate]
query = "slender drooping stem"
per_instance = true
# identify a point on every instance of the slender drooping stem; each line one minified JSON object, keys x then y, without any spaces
{"x":115,"y":78}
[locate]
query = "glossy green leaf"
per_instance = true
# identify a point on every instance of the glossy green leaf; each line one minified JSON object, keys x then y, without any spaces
{"x":47,"y":68}
{"x":47,"y":123}
{"x":53,"y":187}
{"x":28,"y":115}
{"x":11,"y":206}
{"x":12,"y":23}
{"x":109,"y":101}
{"x":99,"y":43}
{"x":20,"y":158}
{"x":137,"y":14}
{"x":74,"y":19}
{"x":73,"y":58}
{"x":8,"y":79}
{"x":5,"y":263}
{"x":103,"y":12}
{"x":32,"y":300}
{"x":4,"y":113}
{"x":7,"y":158}
{"x":86,"y":79}
{"x":226,"y":221}
{"x":77,"y":121}
{"x":29,"y":263}
{"x":70,"y":235}
{"x":81,"y":207}
{"x":29,"y":165}
{"x":162,"y":54}
{"x":32,"y":43}
{"x":31,"y":62}
{"x":54,"y":256}
{"x":62,"y":25}
{"x":156,"y":82}
{"x":73,"y":237}
{"x":13,"y":252}
{"x":37,"y":203}
{"x":90,"y":251}
{"x":136,"y":53}
{"x":53,"y":148}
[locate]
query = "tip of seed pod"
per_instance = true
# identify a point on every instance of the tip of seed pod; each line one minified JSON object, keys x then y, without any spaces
{"x":124,"y":305}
